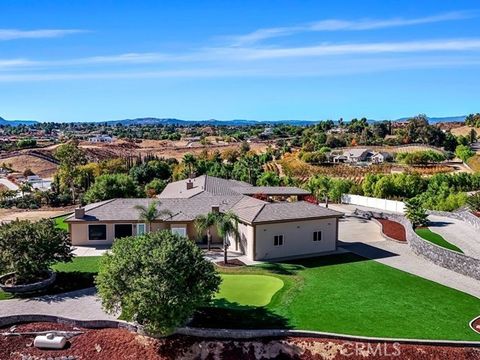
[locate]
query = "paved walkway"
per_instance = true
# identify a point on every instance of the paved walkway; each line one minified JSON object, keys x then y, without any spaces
{"x":79,"y":305}
{"x":458,"y":233}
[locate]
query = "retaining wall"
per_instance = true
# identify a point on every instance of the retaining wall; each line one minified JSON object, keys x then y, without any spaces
{"x":89,"y":324}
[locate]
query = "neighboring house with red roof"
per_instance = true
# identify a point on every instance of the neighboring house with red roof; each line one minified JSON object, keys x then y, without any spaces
{"x":281,"y":226}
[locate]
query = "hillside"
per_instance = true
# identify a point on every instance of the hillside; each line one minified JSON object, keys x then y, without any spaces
{"x":17,"y":122}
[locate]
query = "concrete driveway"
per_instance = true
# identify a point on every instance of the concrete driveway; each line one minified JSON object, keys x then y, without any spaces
{"x":458,"y":233}
{"x":363,"y":237}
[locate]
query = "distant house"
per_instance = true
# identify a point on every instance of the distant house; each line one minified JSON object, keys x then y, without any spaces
{"x":267,"y":132}
{"x":101,"y":139}
{"x":381,"y":157}
{"x":354,"y":156}
{"x":267,"y":230}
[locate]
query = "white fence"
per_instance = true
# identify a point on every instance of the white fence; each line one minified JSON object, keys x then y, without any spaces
{"x":383,"y":204}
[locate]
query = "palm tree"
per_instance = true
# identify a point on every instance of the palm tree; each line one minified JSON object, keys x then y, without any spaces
{"x":227,"y":224}
{"x":204,"y":223}
{"x":150,"y":213}
{"x":25,"y":187}
{"x":190,"y":162}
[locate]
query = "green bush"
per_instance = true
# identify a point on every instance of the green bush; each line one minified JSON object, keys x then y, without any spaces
{"x":158,"y":280}
{"x":30,"y":248}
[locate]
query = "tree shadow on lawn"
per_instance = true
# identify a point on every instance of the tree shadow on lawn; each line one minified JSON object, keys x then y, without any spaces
{"x":329,"y":260}
{"x":231,"y":315}
{"x":65,"y":282}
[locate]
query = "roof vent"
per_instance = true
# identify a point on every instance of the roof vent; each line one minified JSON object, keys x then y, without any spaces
{"x":79,"y":213}
{"x":189,"y":184}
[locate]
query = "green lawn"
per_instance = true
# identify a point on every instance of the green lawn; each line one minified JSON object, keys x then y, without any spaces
{"x":75,"y":275}
{"x":249,"y":290}
{"x":60,"y":222}
{"x":437,"y":239}
{"x":353,"y":295}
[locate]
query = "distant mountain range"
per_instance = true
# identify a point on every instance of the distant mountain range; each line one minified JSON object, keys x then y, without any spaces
{"x":239,"y":122}
{"x":17,"y":122}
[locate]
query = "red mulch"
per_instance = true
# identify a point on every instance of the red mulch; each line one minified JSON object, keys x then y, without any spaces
{"x":231,"y":263}
{"x":120,"y":344}
{"x":393,"y":229}
{"x":476,"y":213}
{"x":476,"y":325}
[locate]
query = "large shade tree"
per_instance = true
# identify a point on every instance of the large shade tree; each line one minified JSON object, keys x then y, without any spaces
{"x":158,"y":280}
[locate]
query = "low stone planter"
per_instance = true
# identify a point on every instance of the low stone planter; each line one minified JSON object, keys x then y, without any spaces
{"x":27,"y":288}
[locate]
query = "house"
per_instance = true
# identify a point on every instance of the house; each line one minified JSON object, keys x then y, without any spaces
{"x":381,"y":157}
{"x":101,"y":139}
{"x":269,"y":228}
{"x":354,"y":156}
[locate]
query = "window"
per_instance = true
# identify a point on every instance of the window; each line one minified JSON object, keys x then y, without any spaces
{"x":141,"y":229}
{"x":317,"y":236}
{"x":278,"y":240}
{"x":97,"y":232}
{"x":123,"y":230}
{"x":179,"y":230}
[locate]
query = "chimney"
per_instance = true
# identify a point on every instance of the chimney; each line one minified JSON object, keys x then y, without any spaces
{"x":79,"y":213}
{"x":189,"y":184}
{"x":215,"y":208}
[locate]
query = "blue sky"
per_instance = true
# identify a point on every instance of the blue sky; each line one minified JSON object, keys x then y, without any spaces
{"x":263,"y":59}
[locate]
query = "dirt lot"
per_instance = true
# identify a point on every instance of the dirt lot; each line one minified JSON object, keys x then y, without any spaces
{"x":20,"y":163}
{"x":12,"y":214}
{"x":118,"y":344}
{"x":162,"y":148}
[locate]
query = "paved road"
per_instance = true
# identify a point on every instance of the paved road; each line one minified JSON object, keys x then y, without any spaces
{"x":458,"y":233}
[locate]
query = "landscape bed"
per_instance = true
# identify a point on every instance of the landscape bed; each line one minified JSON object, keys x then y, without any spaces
{"x":393,"y":229}
{"x":108,"y":344}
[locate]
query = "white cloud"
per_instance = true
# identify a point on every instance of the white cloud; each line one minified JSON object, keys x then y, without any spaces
{"x":346,"y":25}
{"x":14,"y":34}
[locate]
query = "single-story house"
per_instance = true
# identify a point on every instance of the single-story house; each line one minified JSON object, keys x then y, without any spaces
{"x":268,"y":230}
{"x":357,"y":155}
{"x":381,"y":157}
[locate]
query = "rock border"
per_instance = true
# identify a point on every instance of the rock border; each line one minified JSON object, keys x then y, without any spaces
{"x":472,"y":322}
{"x":28,"y":288}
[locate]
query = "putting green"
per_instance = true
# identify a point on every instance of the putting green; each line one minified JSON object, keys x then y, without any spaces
{"x":249,"y":290}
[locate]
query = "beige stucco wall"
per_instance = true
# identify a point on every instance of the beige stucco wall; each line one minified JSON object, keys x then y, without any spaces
{"x":79,"y":233}
{"x":244,"y":242}
{"x":297,"y":238}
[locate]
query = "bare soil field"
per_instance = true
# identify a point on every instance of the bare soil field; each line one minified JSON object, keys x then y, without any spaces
{"x":464,"y":130}
{"x":120,"y":344}
{"x":41,"y":167}
{"x":161,"y":148}
{"x":12,"y":214}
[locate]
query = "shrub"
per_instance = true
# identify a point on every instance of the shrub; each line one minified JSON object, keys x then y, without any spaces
{"x":415,"y":212}
{"x":158,"y":279}
{"x":474,"y":202}
{"x":30,"y":248}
